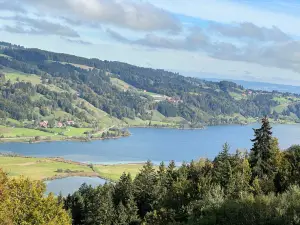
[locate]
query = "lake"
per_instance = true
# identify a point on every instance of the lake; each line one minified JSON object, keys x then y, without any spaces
{"x":156,"y":144}
{"x":149,"y":144}
{"x":69,"y":185}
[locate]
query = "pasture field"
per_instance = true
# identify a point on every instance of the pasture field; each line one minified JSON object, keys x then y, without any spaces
{"x":10,"y":132}
{"x":40,"y":168}
{"x":51,"y":168}
{"x":13,"y":77}
{"x":70,"y":131}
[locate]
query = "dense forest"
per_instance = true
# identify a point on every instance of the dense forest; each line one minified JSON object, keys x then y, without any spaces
{"x":259,"y":187}
{"x":193,"y":100}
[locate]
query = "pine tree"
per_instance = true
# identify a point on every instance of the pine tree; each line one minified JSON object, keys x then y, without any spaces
{"x":103,"y":207}
{"x":261,"y":154}
{"x":171,"y":173}
{"x":123,"y":190}
{"x":162,"y":169}
{"x":75,"y":203}
{"x":121,"y":215}
{"x":162,"y":182}
{"x":132,"y":210}
{"x":222,"y":171}
{"x":145,"y":189}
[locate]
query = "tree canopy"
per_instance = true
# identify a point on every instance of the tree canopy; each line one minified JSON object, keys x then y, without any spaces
{"x":22,"y":201}
{"x":234,"y":188}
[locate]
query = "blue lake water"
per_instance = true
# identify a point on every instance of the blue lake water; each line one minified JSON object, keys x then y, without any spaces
{"x":69,"y":185}
{"x":148,"y":144}
{"x":156,"y":144}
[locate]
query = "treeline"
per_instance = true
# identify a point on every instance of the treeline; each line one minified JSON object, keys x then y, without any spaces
{"x":115,"y":133}
{"x":261,"y":187}
{"x":200,"y":101}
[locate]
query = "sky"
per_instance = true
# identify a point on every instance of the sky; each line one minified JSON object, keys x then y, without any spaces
{"x":231,"y":39}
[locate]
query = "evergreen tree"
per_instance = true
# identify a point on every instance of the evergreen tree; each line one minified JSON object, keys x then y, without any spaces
{"x":145,"y":189}
{"x":161,"y":170}
{"x":123,"y":190}
{"x":132,"y":211}
{"x":222,"y":171}
{"x":121,"y":215}
{"x":75,"y":203}
{"x":261,"y":154}
{"x":162,"y":182}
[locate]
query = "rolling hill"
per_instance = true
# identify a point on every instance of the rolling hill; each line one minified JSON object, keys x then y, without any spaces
{"x":38,"y":85}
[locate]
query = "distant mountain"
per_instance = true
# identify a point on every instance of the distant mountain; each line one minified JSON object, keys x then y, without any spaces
{"x":262,"y":85}
{"x":40,"y":85}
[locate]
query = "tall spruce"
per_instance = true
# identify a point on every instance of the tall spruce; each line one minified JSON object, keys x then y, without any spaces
{"x":145,"y":189}
{"x":123,"y":190}
{"x":222,"y":171}
{"x":261,"y":154}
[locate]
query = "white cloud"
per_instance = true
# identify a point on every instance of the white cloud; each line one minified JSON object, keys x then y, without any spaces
{"x":251,"y":31}
{"x":37,"y":26}
{"x":225,"y":11}
{"x":133,"y":15}
{"x":259,"y":41}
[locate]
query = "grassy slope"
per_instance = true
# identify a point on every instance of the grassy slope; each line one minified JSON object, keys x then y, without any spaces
{"x":38,"y":169}
{"x":70,"y":131}
{"x":283,"y":103}
{"x":103,"y":119}
{"x":13,"y":76}
{"x":5,"y":56}
{"x":121,"y":84}
{"x":79,"y":65}
{"x":22,"y":132}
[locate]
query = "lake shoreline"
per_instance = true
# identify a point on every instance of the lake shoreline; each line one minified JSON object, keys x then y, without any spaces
{"x":29,"y":140}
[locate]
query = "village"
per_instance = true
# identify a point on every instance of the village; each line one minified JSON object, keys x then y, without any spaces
{"x":45,"y":124}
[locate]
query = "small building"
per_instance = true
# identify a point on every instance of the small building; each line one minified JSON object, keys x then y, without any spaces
{"x":70,"y":122}
{"x":174,"y":100}
{"x":60,"y":124}
{"x":44,"y":124}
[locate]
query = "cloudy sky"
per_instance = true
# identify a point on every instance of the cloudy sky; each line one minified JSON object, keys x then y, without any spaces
{"x":250,"y":40}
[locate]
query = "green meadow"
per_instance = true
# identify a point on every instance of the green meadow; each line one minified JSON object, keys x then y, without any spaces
{"x":45,"y":168}
{"x":10,"y":132}
{"x":40,"y":168}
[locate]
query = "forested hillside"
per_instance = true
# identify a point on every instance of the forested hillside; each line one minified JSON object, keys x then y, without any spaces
{"x":39,"y":85}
